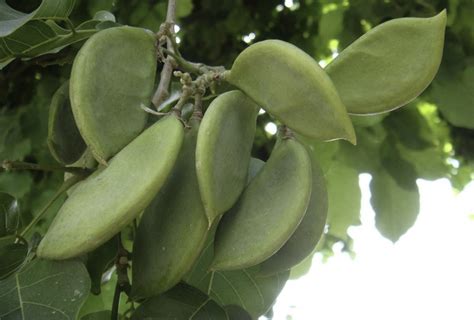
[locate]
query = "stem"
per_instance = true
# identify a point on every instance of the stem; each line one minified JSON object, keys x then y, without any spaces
{"x":116,"y":302}
{"x":193,"y":67}
{"x":162,"y":92}
{"x":123,"y":283}
{"x":9,"y":165}
{"x":64,"y":187}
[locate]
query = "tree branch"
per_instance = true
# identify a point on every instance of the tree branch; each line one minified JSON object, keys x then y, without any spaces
{"x":162,"y":92}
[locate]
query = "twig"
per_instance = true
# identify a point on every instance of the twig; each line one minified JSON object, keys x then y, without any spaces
{"x":123,"y":283}
{"x":10,"y":165}
{"x":162,"y":92}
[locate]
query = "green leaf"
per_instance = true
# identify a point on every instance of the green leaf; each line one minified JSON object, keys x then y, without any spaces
{"x":12,"y":255}
{"x":98,"y":261}
{"x":454,"y":95}
{"x":181,"y":302}
{"x":64,"y":140}
{"x":101,"y":315}
{"x":184,"y":8}
{"x":11,"y":19}
{"x":395,"y":197}
{"x":9,"y":214}
{"x":45,"y":290}
{"x":18,"y":184}
{"x":237,"y":313}
{"x":246,"y":288}
{"x":390,"y":65}
{"x":38,"y":37}
{"x":344,"y":199}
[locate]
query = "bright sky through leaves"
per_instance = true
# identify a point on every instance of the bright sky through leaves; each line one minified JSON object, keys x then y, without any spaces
{"x":427,"y":274}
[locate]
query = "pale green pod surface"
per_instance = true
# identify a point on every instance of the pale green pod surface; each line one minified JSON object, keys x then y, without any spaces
{"x":172,"y":230}
{"x":390,"y":65}
{"x":111,"y":198}
{"x":223,"y":151}
{"x":255,"y":166}
{"x":268,"y":211}
{"x":64,"y":140}
{"x":86,"y":161}
{"x":293,"y":88}
{"x":303,"y":241}
{"x":112,"y":75}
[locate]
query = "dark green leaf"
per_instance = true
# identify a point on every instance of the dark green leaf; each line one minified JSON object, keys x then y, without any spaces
{"x":12,"y":255}
{"x":181,"y":302}
{"x":101,"y":315}
{"x":454,"y":95}
{"x":395,"y":197}
{"x":11,"y":19}
{"x":98,"y":261}
{"x":237,"y":313}
{"x":45,"y":290}
{"x":9,"y":214}
{"x":38,"y":37}
{"x":64,"y":140}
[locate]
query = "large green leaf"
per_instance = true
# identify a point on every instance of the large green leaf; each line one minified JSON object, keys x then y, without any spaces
{"x":454,"y":95}
{"x":390,"y":65}
{"x":12,"y":255}
{"x":181,"y":302}
{"x":11,"y":19}
{"x":46,"y":290}
{"x":395,"y":197}
{"x":344,"y":198}
{"x":245,"y":288}
{"x":9,"y":214}
{"x":38,"y":37}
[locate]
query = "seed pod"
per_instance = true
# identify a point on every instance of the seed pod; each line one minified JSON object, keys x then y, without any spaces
{"x":293,"y":88}
{"x":268,"y":211}
{"x":86,"y":161}
{"x":172,"y":230}
{"x":303,"y":241}
{"x":223,"y":151}
{"x":111,"y":198}
{"x":112,"y":75}
{"x":64,"y":140}
{"x":390,"y":65}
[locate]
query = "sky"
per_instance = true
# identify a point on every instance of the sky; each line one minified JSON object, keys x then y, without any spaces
{"x":427,"y":274}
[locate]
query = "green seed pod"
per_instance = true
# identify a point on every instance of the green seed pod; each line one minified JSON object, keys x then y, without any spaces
{"x":86,"y":161}
{"x":112,"y":75}
{"x":172,"y":230}
{"x":268,"y":211}
{"x":293,"y":88}
{"x":111,"y":198}
{"x":390,"y":65}
{"x":64,"y":140}
{"x":303,"y":241}
{"x":223,"y":151}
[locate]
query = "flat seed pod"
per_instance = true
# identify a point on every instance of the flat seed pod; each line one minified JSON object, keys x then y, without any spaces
{"x":64,"y":140}
{"x":172,"y":230}
{"x":293,"y":88}
{"x":390,"y":65}
{"x":111,"y":198}
{"x":86,"y":161}
{"x":223,"y":151}
{"x":303,"y":241}
{"x":268,"y":211}
{"x":112,"y":75}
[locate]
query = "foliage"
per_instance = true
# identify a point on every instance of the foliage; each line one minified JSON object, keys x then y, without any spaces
{"x":429,"y":138}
